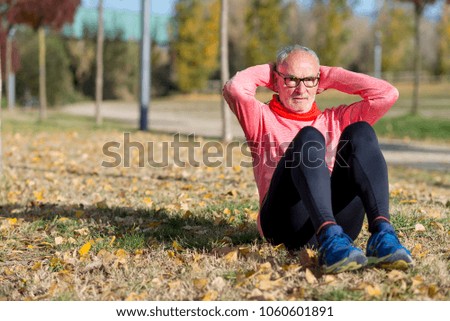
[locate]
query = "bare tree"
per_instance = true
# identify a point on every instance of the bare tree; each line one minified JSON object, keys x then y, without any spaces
{"x":1,"y":118}
{"x":40,"y":14}
{"x":419,"y":6}
{"x":227,"y":134}
{"x":99,"y":76}
{"x":9,"y":68}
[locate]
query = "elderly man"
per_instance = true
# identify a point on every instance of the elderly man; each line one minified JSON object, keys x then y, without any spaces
{"x":318,"y":172}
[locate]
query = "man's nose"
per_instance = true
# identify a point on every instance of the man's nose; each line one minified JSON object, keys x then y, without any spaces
{"x":301,"y":88}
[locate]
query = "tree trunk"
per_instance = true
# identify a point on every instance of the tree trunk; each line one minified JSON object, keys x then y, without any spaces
{"x":99,"y":76}
{"x":1,"y":118}
{"x":8,"y":70}
{"x":42,"y":76}
{"x":145,"y":65}
{"x":227,"y":134}
{"x":417,"y":57}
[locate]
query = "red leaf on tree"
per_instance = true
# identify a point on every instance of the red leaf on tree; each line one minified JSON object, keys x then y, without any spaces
{"x":39,"y":13}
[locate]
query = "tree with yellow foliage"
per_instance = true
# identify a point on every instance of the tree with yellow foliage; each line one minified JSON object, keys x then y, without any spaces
{"x":419,"y":7}
{"x":396,"y":31}
{"x":443,"y":61}
{"x":331,"y":32}
{"x":265,"y":31}
{"x":196,"y":43}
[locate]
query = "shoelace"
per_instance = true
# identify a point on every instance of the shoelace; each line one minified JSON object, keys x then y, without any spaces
{"x":343,"y":240}
{"x":387,"y":237}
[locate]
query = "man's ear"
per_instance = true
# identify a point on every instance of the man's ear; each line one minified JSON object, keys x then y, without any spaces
{"x":274,"y":82}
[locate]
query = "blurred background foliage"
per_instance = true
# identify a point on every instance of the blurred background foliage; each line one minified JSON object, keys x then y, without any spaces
{"x":188,"y":61}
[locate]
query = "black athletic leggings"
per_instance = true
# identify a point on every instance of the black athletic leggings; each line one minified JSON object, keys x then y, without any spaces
{"x":302,"y":195}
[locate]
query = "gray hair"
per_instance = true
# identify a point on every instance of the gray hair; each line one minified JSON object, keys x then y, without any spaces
{"x":286,"y":51}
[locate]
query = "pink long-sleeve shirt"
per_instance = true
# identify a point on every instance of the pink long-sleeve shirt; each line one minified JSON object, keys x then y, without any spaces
{"x":269,"y":134}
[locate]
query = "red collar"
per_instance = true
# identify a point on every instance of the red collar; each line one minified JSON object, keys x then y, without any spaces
{"x":277,"y":107}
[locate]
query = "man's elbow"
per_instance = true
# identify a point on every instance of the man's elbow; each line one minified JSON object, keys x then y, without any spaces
{"x":391,"y":96}
{"x":230,"y":89}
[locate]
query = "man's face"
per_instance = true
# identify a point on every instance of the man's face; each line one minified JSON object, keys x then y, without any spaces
{"x":298,"y":64}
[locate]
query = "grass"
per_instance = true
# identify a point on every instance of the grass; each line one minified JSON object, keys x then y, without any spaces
{"x":414,"y":127}
{"x":176,"y":233}
{"x":27,"y":120}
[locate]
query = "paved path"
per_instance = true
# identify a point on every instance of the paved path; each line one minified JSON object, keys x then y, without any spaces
{"x":203,"y":118}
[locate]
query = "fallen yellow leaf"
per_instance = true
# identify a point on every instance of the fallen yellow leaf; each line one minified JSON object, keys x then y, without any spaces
{"x":396,"y":275}
{"x":59,"y":240}
{"x":264,"y":276}
{"x":418,"y":251}
{"x":266,"y":285}
{"x":85,"y":249}
{"x":210,"y":296}
{"x":265,"y":267}
{"x":279,"y":247}
{"x":232,"y":256}
{"x":121,"y":253}
{"x":112,"y":240}
{"x":208,"y":195}
{"x":199,"y":284}
{"x":308,"y":257}
{"x":252,"y":215}
{"x":244,"y":250}
{"x":413,"y":201}
{"x":38,"y":195}
{"x":310,"y":278}
{"x":173,"y":285}
{"x":329,"y":279}
{"x":107,"y":187}
{"x":373,"y":290}
{"x":419,"y":228}
{"x":433,"y":290}
{"x":136,"y":297}
{"x":148,"y":201}
{"x":82,"y":231}
{"x":177,"y":246}
{"x":438,"y":226}
{"x":416,"y":281}
{"x":291,"y":267}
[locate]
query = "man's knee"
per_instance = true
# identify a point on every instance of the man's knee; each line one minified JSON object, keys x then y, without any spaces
{"x":360,"y":133}
{"x":309,"y":148}
{"x":310,"y":135}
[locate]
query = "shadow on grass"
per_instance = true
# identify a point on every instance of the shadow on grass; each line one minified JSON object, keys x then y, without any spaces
{"x":134,"y":229}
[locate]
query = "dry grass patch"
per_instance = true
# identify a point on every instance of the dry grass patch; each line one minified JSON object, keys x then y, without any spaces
{"x":73,"y":230}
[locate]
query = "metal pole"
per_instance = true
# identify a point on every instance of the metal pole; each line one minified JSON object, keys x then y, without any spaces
{"x":378,"y":52}
{"x":227,"y":134}
{"x":378,"y":46}
{"x":99,"y":59}
{"x":145,"y":65}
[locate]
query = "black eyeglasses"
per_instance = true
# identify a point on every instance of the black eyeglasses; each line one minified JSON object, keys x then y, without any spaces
{"x":292,"y":82}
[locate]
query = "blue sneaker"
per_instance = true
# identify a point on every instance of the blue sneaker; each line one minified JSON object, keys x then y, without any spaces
{"x":385,"y":251}
{"x":337,"y":253}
